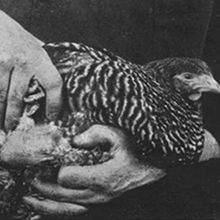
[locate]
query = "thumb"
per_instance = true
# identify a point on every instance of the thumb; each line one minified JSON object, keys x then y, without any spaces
{"x":99,"y":134}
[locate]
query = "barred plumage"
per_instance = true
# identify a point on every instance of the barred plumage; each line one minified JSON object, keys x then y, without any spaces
{"x":157,"y":104}
{"x":142,"y":100}
{"x":139,"y":99}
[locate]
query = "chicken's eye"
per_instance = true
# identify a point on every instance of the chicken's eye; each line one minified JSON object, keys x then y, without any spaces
{"x":188,"y":76}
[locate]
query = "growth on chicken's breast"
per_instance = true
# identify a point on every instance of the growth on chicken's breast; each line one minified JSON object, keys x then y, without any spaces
{"x":158,"y":105}
{"x":36,"y":150}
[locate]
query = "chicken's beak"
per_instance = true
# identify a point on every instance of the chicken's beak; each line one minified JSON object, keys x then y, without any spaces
{"x":208,"y":84}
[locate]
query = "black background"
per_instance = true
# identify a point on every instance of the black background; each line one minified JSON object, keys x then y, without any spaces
{"x":140,"y":31}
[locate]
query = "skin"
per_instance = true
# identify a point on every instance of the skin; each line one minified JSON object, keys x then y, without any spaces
{"x":78,"y":187}
{"x":21,"y":58}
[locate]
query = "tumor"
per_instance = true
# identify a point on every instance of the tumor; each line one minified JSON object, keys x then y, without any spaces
{"x":36,"y":150}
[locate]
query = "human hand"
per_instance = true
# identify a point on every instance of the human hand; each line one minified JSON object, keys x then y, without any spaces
{"x":21,"y":58}
{"x":211,"y":147}
{"x":79,"y":187}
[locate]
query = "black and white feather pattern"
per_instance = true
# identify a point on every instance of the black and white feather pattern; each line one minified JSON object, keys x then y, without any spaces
{"x":139,"y":99}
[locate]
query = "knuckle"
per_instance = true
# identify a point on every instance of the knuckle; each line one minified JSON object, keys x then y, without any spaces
{"x":5,"y":58}
{"x":103,"y":186}
{"x":100,"y":198}
{"x":21,"y":62}
{"x":105,"y":198}
{"x":22,"y":59}
{"x":11,"y":122}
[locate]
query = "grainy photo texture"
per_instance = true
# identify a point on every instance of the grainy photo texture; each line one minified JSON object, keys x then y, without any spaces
{"x":109,"y":109}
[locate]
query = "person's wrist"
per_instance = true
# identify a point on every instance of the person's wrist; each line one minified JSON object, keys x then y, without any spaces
{"x":211,"y":147}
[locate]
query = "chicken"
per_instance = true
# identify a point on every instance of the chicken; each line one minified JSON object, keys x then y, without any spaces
{"x":157,"y":104}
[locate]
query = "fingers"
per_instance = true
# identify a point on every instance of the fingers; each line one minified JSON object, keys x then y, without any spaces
{"x":86,"y":176}
{"x":95,"y":177}
{"x":49,"y":78}
{"x":24,"y":52}
{"x":112,"y":178}
{"x":21,"y":76}
{"x":97,"y":134}
{"x":50,"y":207}
{"x":51,"y":81}
{"x":53,"y":102}
{"x":57,"y":192}
{"x":18,"y":87}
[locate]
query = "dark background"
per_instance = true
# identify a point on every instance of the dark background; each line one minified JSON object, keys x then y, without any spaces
{"x":140,"y":31}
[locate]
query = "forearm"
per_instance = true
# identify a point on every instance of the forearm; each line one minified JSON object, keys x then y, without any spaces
{"x":7,"y":23}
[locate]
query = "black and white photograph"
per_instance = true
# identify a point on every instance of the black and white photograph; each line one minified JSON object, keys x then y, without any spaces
{"x":110,"y":109}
